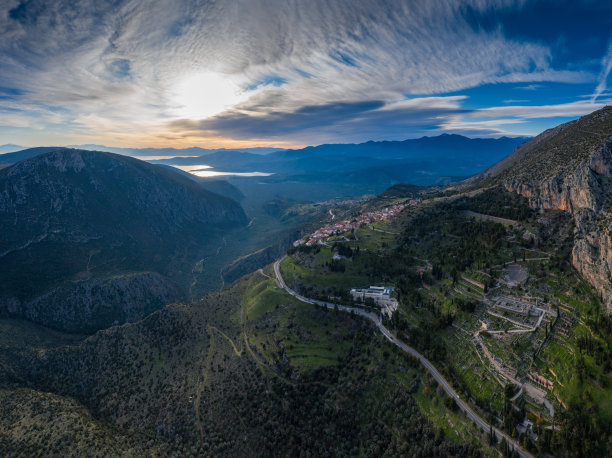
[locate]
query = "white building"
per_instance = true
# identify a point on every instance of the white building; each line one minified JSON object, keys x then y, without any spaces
{"x":375,"y":292}
{"x":381,"y":296}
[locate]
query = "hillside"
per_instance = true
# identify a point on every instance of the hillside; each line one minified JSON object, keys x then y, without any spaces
{"x":217,"y":186}
{"x":248,"y":371}
{"x":569,"y":168}
{"x":483,"y":287}
{"x":70,"y":217}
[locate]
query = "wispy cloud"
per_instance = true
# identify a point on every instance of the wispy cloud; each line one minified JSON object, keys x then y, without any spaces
{"x":530,"y":87}
{"x":513,"y":120}
{"x":566,"y":110}
{"x":305,"y":70}
{"x":606,"y":68}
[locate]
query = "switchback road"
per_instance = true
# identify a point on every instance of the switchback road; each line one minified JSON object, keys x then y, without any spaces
{"x":411,"y":351}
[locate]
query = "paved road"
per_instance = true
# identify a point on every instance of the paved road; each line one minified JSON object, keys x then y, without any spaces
{"x":411,"y":351}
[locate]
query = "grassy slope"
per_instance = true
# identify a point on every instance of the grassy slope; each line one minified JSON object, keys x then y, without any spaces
{"x":437,"y":235}
{"x":248,"y":371}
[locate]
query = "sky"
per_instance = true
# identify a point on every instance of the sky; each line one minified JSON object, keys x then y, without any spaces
{"x":243,"y":73}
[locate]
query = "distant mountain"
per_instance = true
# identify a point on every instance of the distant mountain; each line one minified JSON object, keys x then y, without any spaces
{"x":14,"y":157}
{"x":326,"y":172}
{"x":214,"y":185}
{"x":369,"y":166}
{"x":569,"y":168}
{"x":9,"y":154}
{"x":9,"y":148}
{"x":379,"y":164}
{"x":195,"y":150}
{"x":72,"y":217}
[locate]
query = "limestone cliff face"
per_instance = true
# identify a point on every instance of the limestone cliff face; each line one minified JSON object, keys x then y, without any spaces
{"x":584,"y":193}
{"x":569,"y":168}
{"x":584,"y":187}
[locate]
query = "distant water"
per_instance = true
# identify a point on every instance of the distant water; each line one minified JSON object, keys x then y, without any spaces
{"x":201,"y":171}
{"x":157,"y":158}
{"x":212,"y":173}
{"x":191,"y":168}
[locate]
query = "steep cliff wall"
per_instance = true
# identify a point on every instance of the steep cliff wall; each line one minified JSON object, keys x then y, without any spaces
{"x":570,"y":169}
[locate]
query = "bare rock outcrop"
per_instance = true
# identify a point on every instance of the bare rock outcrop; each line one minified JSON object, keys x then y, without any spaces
{"x":569,"y":168}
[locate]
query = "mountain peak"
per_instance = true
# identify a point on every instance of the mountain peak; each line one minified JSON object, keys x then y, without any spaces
{"x":556,"y":150}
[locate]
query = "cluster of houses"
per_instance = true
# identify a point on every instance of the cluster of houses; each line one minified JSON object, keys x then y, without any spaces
{"x":364,"y":219}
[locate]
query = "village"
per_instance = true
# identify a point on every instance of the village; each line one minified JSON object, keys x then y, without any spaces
{"x":363,"y":219}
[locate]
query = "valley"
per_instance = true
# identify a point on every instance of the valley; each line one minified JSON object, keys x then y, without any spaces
{"x":245,"y":338}
{"x":306,"y":229}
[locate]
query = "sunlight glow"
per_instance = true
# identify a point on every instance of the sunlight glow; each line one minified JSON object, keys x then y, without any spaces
{"x":202,"y":95}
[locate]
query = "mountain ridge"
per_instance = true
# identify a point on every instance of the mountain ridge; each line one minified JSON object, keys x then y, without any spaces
{"x":71,"y":216}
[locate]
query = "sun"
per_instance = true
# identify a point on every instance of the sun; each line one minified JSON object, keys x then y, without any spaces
{"x":203,"y":95}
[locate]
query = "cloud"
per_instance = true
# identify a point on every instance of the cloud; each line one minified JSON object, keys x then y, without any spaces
{"x":606,"y":68}
{"x":307,"y":69}
{"x":332,"y":122}
{"x":530,"y":87}
{"x":565,"y":110}
{"x":514,"y":120}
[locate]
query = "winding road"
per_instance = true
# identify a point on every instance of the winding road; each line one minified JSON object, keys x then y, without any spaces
{"x":482,"y":424}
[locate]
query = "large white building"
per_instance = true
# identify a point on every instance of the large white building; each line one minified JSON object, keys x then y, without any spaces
{"x":381,"y":296}
{"x":375,"y":292}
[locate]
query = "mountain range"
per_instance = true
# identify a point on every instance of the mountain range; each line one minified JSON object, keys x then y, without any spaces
{"x":419,"y":161}
{"x":365,"y":167}
{"x":97,"y":243}
{"x":195,"y":150}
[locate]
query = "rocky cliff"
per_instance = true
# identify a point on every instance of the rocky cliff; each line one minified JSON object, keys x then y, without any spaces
{"x":569,"y":168}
